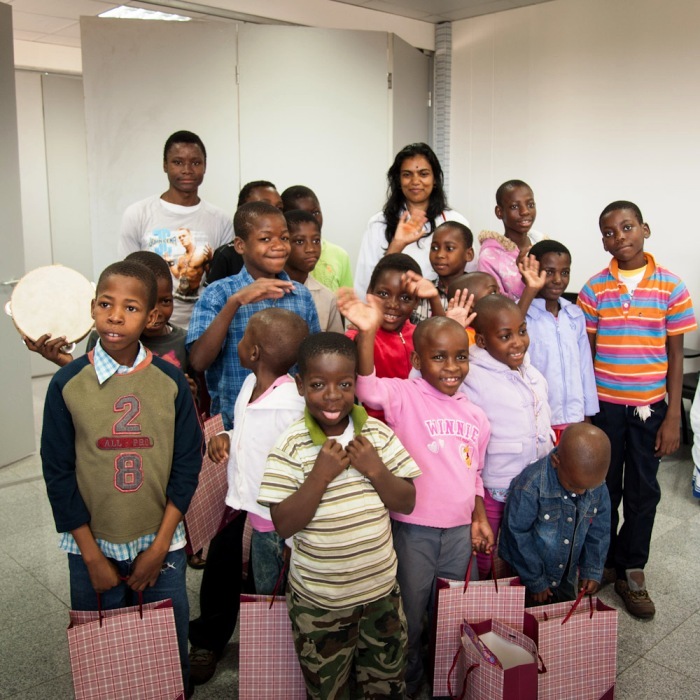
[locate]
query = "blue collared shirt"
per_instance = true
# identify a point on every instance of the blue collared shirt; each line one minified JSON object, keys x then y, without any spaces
{"x":545,"y":527}
{"x":225,"y":376}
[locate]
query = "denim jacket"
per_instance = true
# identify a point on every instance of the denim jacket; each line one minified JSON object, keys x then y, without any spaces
{"x":543,"y":525}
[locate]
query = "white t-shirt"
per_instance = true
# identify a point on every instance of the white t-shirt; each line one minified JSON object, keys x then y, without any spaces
{"x":185,"y":237}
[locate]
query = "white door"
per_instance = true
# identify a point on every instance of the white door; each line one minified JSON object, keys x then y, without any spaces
{"x":16,"y":414}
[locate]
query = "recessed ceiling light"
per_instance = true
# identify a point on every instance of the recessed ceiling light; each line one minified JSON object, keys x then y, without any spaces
{"x":123,"y":12}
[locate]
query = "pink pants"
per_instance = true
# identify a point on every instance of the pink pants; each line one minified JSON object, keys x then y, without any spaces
{"x":494,"y":514}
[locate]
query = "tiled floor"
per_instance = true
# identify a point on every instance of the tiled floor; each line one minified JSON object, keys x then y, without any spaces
{"x":658,"y":658}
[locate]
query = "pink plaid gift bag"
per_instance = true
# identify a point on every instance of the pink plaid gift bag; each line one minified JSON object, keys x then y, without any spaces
{"x":204,"y":516}
{"x":494,"y":662}
{"x":578,"y":644}
{"x":473,"y":601}
{"x":267,"y":664}
{"x":127,"y":653}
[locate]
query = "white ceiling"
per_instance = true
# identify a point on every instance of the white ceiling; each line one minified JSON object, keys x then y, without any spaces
{"x":57,"y":21}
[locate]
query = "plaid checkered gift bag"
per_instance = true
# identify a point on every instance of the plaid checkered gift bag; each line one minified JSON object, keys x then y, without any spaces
{"x":578,"y":644}
{"x":127,"y":653}
{"x":473,"y":601}
{"x":267,"y":663}
{"x":494,"y":662}
{"x":204,"y":516}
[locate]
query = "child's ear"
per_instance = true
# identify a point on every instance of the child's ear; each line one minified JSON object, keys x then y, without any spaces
{"x":165,"y":166}
{"x":499,"y":212}
{"x":554,"y":458}
{"x":469,"y":255}
{"x":647,"y":230}
{"x":415,"y":360}
{"x":152,"y":317}
{"x":255,"y":353}
{"x":92,"y":308}
{"x":479,"y":340}
{"x":300,"y":385}
{"x":238,"y":245}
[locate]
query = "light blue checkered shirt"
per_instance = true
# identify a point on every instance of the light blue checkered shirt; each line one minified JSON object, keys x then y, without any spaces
{"x":105,"y":367}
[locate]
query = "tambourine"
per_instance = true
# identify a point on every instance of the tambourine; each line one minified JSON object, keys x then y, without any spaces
{"x":52,"y":299}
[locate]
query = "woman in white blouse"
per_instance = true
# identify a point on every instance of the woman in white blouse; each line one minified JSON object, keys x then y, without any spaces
{"x":415,"y":206}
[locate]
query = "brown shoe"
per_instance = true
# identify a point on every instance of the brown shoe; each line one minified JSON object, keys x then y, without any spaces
{"x":634,"y":594}
{"x":202,"y":665}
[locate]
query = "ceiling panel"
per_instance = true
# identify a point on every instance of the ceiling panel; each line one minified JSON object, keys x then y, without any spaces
{"x":57,"y":21}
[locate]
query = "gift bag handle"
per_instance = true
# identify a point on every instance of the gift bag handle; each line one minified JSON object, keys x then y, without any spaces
{"x":100,"y":612}
{"x":579,"y":598}
{"x":277,"y":584}
{"x":468,"y":576}
{"x":466,"y":676}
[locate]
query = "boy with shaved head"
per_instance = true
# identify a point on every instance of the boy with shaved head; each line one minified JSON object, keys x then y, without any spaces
{"x":556,"y":525}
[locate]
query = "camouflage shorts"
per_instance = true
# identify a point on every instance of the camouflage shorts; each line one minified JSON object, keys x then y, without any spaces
{"x":356,"y":652}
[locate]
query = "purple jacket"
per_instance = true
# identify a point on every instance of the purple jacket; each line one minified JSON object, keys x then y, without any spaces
{"x":515,"y":402}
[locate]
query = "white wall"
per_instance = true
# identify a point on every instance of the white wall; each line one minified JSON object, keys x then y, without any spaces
{"x":588,"y":102}
{"x":155,"y":78}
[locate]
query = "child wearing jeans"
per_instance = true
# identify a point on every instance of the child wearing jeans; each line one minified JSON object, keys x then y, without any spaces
{"x":330,"y":482}
{"x":266,"y":406}
{"x":513,"y":394}
{"x":121,"y":451}
{"x":447,"y":436}
{"x":556,"y":525}
{"x":559,"y":345}
{"x":636,"y":314}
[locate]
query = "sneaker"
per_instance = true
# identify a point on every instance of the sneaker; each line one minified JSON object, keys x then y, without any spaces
{"x":202,"y":665}
{"x":634,"y":594}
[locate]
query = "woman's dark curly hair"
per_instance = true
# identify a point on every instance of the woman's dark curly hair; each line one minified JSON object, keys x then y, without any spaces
{"x":395,"y":198}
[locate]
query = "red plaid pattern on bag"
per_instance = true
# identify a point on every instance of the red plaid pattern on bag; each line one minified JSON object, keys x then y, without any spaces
{"x":206,"y":511}
{"x":581,"y":654}
{"x":128,"y":656}
{"x":489,"y":681}
{"x":482,"y":600}
{"x":267,"y":663}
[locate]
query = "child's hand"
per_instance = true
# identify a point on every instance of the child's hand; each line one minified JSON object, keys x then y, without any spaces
{"x":418,"y":286}
{"x":524,"y":253}
{"x":409,"y":229}
{"x":533,"y":277}
{"x":145,"y":569}
{"x":193,"y":387}
{"x":668,"y":437}
{"x":460,"y":306}
{"x":482,"y":536}
{"x":331,"y":461}
{"x":263,"y":288}
{"x":542,"y":596}
{"x":364,"y":316}
{"x":364,"y":457}
{"x":218,"y":448}
{"x":103,"y":574}
{"x":52,"y":350}
{"x":589,"y":586}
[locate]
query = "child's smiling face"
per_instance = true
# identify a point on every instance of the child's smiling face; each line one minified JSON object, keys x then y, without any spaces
{"x":517,"y":210}
{"x":397,"y":304}
{"x":557,"y":266}
{"x":503,"y":334}
{"x":328,"y":387}
{"x":449,"y":254}
{"x":442,"y":356}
